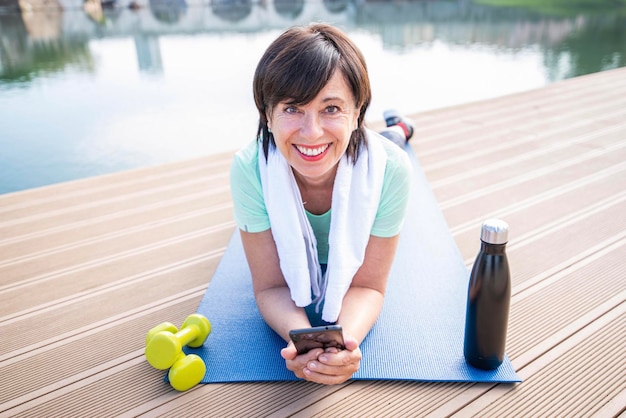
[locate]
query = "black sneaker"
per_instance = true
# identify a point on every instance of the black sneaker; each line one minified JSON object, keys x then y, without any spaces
{"x":393,"y":117}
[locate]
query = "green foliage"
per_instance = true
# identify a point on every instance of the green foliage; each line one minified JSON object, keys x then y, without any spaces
{"x":44,"y":57}
{"x":562,"y":7}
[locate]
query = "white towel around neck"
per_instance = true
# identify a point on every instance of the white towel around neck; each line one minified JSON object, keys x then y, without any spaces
{"x":355,"y":198}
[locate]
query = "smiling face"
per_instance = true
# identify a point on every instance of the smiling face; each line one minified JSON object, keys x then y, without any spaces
{"x":313,"y":137}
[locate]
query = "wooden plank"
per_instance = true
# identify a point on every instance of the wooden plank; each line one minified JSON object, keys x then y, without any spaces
{"x":87,"y":267}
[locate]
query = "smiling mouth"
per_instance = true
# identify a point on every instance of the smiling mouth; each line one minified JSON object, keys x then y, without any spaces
{"x":312,"y":151}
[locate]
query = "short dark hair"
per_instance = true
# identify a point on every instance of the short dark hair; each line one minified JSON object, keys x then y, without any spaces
{"x":297,"y":66}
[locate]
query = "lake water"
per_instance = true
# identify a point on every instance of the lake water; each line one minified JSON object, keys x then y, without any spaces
{"x":83,"y":94}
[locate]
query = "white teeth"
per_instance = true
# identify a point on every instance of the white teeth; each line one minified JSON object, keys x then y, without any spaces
{"x":312,"y":152}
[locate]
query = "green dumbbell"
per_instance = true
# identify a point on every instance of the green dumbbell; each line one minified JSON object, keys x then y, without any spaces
{"x":164,"y":346}
{"x":188,"y":370}
{"x":164,"y":326}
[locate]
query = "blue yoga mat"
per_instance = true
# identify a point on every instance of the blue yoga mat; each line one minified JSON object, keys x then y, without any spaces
{"x":418,"y":336}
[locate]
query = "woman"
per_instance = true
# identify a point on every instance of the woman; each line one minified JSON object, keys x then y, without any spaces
{"x":319,"y":199}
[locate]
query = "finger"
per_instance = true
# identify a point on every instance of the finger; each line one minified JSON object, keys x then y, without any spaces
{"x":325,"y":369}
{"x":326,"y":379}
{"x":299,"y":362}
{"x":350,"y":342}
{"x":342,"y":358}
{"x":289,"y":352}
{"x":338,"y":366}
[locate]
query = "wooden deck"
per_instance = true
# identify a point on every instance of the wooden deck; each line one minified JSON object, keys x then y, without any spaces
{"x":87,"y":267}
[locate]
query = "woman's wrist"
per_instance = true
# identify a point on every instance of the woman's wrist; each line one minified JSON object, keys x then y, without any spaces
{"x":360,"y":310}
{"x":280,"y":312}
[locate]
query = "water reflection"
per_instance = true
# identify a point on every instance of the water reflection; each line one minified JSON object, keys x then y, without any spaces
{"x":35,"y":43}
{"x":168,"y":11}
{"x":588,"y":42}
{"x":232,"y":10}
{"x":289,"y":9}
{"x":92,"y":90}
{"x":336,"y":6}
{"x":148,"y":53}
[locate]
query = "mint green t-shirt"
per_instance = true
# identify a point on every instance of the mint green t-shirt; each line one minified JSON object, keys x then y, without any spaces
{"x":251,"y":213}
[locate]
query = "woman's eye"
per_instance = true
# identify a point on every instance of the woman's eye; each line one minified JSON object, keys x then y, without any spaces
{"x":291,"y":109}
{"x":332,"y":109}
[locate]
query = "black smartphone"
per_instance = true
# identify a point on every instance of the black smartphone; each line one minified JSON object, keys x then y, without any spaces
{"x":306,"y":339}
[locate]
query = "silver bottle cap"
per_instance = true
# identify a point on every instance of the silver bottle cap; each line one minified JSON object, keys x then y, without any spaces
{"x":494,"y":231}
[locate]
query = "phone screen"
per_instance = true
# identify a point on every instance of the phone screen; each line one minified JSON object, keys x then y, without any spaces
{"x":306,"y":339}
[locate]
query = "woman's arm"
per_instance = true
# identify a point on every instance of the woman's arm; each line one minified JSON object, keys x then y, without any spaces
{"x":364,"y":299}
{"x":361,"y":305}
{"x":360,"y":309}
{"x":270,"y":288}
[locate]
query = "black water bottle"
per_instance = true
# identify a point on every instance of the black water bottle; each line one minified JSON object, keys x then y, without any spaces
{"x":488,"y":299}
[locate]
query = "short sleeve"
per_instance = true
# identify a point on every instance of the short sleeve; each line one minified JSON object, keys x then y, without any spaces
{"x":246,"y":190}
{"x":395,"y":192}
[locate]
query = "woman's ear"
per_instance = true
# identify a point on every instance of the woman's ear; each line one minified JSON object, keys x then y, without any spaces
{"x":357,"y":113}
{"x":268,"y":118}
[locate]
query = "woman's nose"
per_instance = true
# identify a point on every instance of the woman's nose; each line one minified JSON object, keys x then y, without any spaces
{"x":311,"y":126}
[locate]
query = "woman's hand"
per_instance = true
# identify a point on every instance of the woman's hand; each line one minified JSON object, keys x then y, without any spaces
{"x":329,"y":367}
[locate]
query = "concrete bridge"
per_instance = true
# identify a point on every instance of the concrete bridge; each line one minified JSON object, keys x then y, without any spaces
{"x":399,"y":24}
